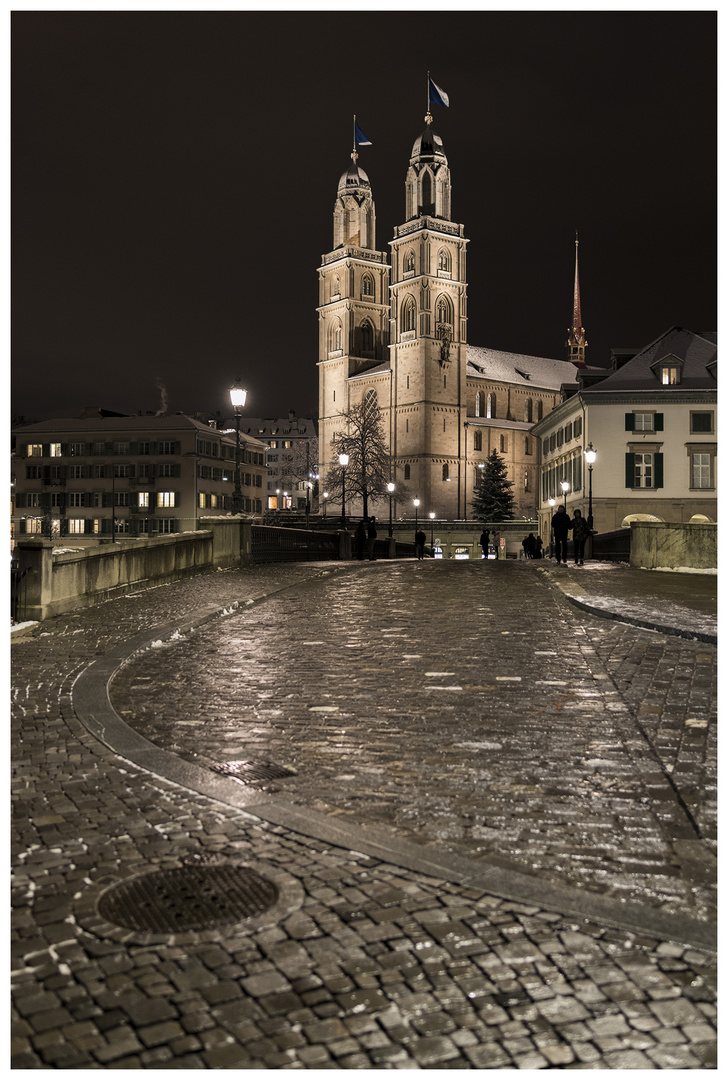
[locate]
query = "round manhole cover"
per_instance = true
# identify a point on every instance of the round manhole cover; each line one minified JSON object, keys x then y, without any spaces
{"x":188,"y":898}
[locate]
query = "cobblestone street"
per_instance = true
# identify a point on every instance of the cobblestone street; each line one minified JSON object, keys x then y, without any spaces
{"x":490,"y":814}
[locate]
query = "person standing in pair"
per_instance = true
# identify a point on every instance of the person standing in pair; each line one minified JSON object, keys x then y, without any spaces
{"x":581,"y":533}
{"x":560,"y":524}
{"x":420,"y":541}
{"x":371,"y":537}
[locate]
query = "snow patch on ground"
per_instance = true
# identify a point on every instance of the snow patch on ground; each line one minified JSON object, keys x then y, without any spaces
{"x":680,"y":569}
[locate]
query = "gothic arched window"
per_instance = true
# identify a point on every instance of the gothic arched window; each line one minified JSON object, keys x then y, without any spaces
{"x":443,"y":261}
{"x":409,"y":314}
{"x":478,"y":440}
{"x":539,"y":409}
{"x":490,"y":406}
{"x":335,"y":336}
{"x":446,"y":472}
{"x":444,"y":311}
{"x":335,"y":285}
{"x":370,"y":404}
{"x":480,"y":403}
{"x":367,"y":285}
{"x":366,"y":337}
{"x":409,"y":262}
{"x":529,"y":411}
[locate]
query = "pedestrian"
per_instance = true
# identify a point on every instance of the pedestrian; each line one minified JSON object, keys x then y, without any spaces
{"x":484,"y":541}
{"x":581,"y":534}
{"x":371,"y":537}
{"x":529,"y":546}
{"x":560,"y":524}
{"x":538,"y":550}
{"x":420,"y":540}
{"x":360,"y":538}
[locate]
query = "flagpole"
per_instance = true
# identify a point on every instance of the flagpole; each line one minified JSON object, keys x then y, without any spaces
{"x":428,"y":114}
{"x":354,"y":154}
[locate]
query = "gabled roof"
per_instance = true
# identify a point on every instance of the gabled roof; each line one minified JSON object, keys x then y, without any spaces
{"x":693,"y":353}
{"x":516,"y":368}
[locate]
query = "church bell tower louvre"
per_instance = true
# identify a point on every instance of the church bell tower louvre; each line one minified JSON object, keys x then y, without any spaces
{"x":353,"y":306}
{"x":428,"y":333}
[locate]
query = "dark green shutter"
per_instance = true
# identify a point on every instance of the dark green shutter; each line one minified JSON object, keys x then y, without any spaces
{"x":629,"y":470}
{"x":659,"y":425}
{"x":658,"y":471}
{"x":629,"y":421}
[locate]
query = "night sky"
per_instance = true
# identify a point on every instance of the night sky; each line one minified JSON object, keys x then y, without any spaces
{"x":174,"y":173}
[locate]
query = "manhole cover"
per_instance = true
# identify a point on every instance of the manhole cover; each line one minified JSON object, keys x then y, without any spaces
{"x":188,"y":898}
{"x":251,"y":772}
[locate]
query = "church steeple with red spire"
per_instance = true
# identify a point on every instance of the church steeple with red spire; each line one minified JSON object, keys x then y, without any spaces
{"x":576,"y":343}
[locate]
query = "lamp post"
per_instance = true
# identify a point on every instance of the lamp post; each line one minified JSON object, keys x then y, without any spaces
{"x":417,"y":503}
{"x":390,"y":489}
{"x":565,"y":485}
{"x":237,"y":399}
{"x":326,"y":498}
{"x":591,"y":456}
{"x":432,"y":532}
{"x":343,"y":461}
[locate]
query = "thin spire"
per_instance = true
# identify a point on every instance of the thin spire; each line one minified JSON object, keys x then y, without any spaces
{"x":576,"y":343}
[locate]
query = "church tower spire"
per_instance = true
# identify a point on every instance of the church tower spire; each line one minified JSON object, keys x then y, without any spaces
{"x":576,"y":342}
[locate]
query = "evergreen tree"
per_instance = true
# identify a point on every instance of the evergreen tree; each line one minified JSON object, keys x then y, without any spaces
{"x":493,"y":499}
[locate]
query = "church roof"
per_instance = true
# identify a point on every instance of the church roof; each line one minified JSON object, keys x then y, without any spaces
{"x":354,"y":177}
{"x":516,"y":368}
{"x":695,"y":353}
{"x":428,"y":145}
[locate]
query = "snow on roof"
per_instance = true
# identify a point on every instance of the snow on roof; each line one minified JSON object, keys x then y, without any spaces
{"x":694,"y":352}
{"x":516,"y":368}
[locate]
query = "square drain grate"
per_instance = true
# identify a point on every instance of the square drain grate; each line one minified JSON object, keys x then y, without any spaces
{"x":252,"y":772}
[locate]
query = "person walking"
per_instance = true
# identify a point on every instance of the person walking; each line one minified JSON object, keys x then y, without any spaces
{"x":581,"y":534}
{"x":529,"y":546}
{"x":484,"y":541}
{"x":360,"y":537}
{"x":560,"y":524}
{"x":538,"y":549}
{"x":420,"y":540}
{"x":371,"y":537}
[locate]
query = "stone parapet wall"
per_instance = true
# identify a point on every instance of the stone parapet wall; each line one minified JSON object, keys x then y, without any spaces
{"x":669,"y":545}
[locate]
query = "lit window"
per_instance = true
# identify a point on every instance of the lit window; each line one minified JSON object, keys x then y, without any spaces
{"x":76,"y":526}
{"x":670,"y":376}
{"x":35,"y":450}
{"x":166,"y":498}
{"x":55,"y":449}
{"x":143,"y":499}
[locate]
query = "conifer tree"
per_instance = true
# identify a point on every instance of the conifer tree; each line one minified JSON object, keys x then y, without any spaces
{"x":493,"y":499}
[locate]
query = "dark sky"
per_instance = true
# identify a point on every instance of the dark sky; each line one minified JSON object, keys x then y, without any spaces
{"x":174,"y":174}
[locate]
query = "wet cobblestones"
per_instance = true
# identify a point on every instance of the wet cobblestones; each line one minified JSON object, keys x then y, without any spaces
{"x":380,"y":967}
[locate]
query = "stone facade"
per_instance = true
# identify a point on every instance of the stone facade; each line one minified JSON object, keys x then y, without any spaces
{"x":445,"y":405}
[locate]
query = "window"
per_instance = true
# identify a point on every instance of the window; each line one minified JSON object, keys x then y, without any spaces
{"x":55,"y":449}
{"x":366,"y":335}
{"x":539,"y":410}
{"x":643,"y":470}
{"x":56,"y":499}
{"x":409,"y":315}
{"x":123,"y":470}
{"x":76,"y":526}
{"x":503,"y":444}
{"x":568,"y":432}
{"x":335,"y":286}
{"x":444,"y":312}
{"x":669,"y":376}
{"x":443,"y":261}
{"x":166,"y":469}
{"x":34,"y":526}
{"x":145,"y":447}
{"x":75,"y":498}
{"x":527,"y":445}
{"x":643,"y":421}
{"x":143,"y":499}
{"x":123,"y":448}
{"x":371,"y":405}
{"x":167,"y":446}
{"x":480,"y":403}
{"x":77,"y":449}
{"x":529,"y":411}
{"x":701,"y":423}
{"x":367,"y":285}
{"x":35,"y":450}
{"x":407,"y":472}
{"x":409,"y":263}
{"x":166,"y":498}
{"x":122,"y":498}
{"x":166,"y":525}
{"x":335,"y":338}
{"x":446,"y":472}
{"x":525,"y":481}
{"x":490,"y":406}
{"x":478,"y":440}
{"x":701,"y":471}
{"x":75,"y":472}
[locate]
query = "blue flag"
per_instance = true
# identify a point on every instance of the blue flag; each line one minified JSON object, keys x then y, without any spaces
{"x":438,"y":96}
{"x":360,"y":138}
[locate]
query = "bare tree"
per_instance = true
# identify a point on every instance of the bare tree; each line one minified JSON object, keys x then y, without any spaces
{"x":362,"y":439}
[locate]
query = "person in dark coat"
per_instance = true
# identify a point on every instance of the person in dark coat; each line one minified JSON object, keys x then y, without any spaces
{"x":529,"y":546}
{"x":581,"y":534}
{"x":420,"y":541}
{"x":538,"y":550}
{"x":360,"y":537}
{"x":484,"y":541}
{"x":371,"y":537}
{"x":560,"y":525}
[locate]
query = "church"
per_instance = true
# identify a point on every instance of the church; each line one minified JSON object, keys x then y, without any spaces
{"x":393,"y":333}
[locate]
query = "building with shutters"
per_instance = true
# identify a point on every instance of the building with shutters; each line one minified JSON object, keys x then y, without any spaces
{"x":111,"y":476}
{"x":652,"y":419}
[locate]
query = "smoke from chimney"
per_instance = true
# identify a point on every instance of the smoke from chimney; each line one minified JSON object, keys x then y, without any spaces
{"x":163,"y":391}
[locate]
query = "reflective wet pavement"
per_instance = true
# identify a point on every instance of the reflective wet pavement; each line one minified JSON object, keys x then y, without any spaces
{"x":467,"y":709}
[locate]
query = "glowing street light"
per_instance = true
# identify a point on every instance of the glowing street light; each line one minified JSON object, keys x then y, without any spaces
{"x":237,"y":400}
{"x":591,"y":456}
{"x":390,"y":489}
{"x":343,"y":461}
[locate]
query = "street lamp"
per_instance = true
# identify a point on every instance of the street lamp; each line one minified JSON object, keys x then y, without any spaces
{"x":591,"y":456}
{"x":432,"y":531}
{"x":565,"y":485}
{"x":326,"y":496}
{"x":237,"y":399}
{"x":417,"y":503}
{"x":390,"y":489}
{"x":343,"y":461}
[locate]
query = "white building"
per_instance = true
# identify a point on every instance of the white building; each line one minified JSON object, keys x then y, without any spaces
{"x":652,"y":421}
{"x":113,"y":476}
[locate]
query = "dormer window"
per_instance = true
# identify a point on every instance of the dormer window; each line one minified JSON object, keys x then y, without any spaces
{"x":668,"y":370}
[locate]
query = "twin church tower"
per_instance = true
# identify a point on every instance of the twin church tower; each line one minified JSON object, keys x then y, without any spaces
{"x":394,"y":333}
